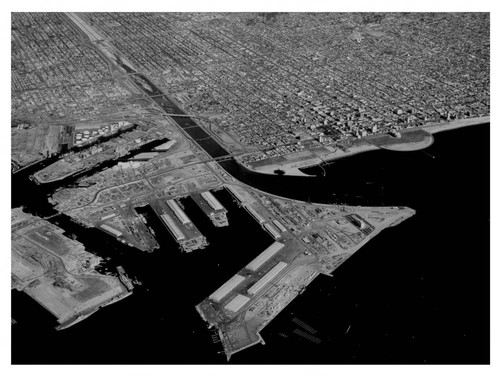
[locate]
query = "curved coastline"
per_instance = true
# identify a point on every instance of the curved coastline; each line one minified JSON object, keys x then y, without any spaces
{"x":293,"y":168}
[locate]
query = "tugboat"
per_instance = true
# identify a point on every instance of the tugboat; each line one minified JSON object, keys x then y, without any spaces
{"x":124,"y":278}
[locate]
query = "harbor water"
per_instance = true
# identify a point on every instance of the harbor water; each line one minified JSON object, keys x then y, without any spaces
{"x":416,"y":293}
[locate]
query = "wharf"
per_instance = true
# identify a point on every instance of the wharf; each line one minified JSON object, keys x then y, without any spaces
{"x":218,"y":217}
{"x":240,"y":309}
{"x":57,"y":272}
{"x":186,"y":234}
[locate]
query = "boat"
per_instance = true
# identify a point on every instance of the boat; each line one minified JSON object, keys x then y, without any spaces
{"x":124,"y":278}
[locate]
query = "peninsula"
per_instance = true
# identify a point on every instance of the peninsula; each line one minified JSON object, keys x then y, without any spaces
{"x":57,"y":272}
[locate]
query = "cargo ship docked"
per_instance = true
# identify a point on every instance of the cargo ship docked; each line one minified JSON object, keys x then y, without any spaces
{"x":124,"y":278}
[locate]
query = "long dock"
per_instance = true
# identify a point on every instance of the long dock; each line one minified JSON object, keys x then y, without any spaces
{"x":185,"y":233}
{"x":175,"y":231}
{"x":111,"y":230}
{"x":275,"y":233}
{"x":268,"y":253}
{"x":212,"y":201}
{"x":236,"y":194}
{"x":255,"y":214}
{"x":226,"y":288}
{"x":179,"y":213}
{"x":212,"y":208}
{"x":267,"y":278}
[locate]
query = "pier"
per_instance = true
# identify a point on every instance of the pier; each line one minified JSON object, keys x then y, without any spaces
{"x":255,"y":214}
{"x":234,"y":192}
{"x":212,"y":208}
{"x":185,"y":233}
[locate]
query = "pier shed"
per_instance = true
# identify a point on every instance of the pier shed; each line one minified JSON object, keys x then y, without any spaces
{"x":227,"y":287}
{"x":265,"y":256}
{"x":111,"y":230}
{"x":212,"y":201}
{"x":176,"y":231}
{"x":267,"y":278}
{"x":179,"y":213}
{"x":237,"y":302}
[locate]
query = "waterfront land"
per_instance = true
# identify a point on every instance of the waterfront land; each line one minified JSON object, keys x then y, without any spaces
{"x":79,"y":161}
{"x":57,"y":271}
{"x":314,"y":240}
{"x":291,"y":164}
{"x":110,"y":197}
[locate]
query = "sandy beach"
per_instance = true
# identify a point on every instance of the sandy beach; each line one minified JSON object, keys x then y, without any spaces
{"x":361,"y":146}
{"x":441,"y":127}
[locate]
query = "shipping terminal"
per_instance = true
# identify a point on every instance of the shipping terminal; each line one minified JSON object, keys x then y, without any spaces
{"x":212,"y":208}
{"x":179,"y":225}
{"x":310,"y":239}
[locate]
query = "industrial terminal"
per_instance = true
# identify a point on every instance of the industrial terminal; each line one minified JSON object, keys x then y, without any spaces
{"x":179,"y":225}
{"x":310,"y":240}
{"x":212,"y":208}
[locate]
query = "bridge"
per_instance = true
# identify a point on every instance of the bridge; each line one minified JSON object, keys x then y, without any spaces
{"x":223,"y":158}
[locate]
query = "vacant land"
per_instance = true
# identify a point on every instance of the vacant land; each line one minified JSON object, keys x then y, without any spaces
{"x":34,"y":144}
{"x":57,"y":271}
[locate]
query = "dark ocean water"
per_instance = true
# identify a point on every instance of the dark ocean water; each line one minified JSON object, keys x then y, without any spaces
{"x":417,"y":293}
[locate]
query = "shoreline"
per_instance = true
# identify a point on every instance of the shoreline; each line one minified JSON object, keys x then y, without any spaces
{"x":293,"y":168}
{"x":456,"y":124}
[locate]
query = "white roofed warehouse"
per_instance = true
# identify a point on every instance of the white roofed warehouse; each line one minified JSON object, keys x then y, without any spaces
{"x":272,"y":230}
{"x":212,"y":201}
{"x":237,"y":302}
{"x":179,"y":213}
{"x":176,"y":231}
{"x":111,"y":230}
{"x":255,"y":214}
{"x":227,"y":287}
{"x":267,"y":278}
{"x":265,"y":256}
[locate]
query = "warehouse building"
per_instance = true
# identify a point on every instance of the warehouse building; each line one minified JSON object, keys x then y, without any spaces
{"x":272,"y":230}
{"x":111,"y":230}
{"x":169,"y":222}
{"x":254,"y":213}
{"x":267,"y":278}
{"x":265,"y":256}
{"x":227,"y":287}
{"x":109,"y":216}
{"x":164,"y":147}
{"x":179,"y":213}
{"x":212,"y":201}
{"x":238,"y":302}
{"x":279,"y":225}
{"x":236,"y":194}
